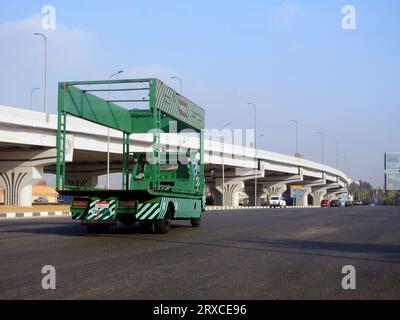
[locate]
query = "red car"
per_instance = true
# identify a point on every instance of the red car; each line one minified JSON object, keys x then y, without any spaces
{"x":325,"y":203}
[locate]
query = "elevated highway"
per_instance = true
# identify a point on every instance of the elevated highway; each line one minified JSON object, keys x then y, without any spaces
{"x":28,"y":142}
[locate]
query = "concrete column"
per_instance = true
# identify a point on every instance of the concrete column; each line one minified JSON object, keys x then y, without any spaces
{"x":303,"y":201}
{"x":274,"y":189}
{"x":17,"y":183}
{"x":231,"y":191}
{"x":318,"y":196}
{"x":249,"y":189}
{"x":81,"y":180}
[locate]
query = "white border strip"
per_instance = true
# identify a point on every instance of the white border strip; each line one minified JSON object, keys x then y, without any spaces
{"x":17,"y":215}
{"x":258,"y":207}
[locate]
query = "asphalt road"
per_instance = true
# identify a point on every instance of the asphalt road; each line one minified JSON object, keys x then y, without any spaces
{"x":247,"y":254}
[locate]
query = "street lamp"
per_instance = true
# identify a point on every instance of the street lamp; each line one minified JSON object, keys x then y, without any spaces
{"x":348,"y":167}
{"x":255,"y":152}
{"x":223,"y":164}
{"x":45,"y":72}
{"x":337,"y":154}
{"x":30,"y":101}
{"x":344,"y":161}
{"x":323,"y":146}
{"x":108,"y":132}
{"x":180,"y":83}
{"x":297,"y":136}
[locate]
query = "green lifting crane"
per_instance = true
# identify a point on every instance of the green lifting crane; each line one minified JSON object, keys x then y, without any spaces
{"x":157,"y":187}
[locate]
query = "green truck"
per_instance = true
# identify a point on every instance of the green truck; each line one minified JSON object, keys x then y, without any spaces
{"x":157,"y":186}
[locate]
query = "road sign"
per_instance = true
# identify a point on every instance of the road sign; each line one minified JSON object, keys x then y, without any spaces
{"x":392,"y":181}
{"x":296,"y":192}
{"x":392,"y":161}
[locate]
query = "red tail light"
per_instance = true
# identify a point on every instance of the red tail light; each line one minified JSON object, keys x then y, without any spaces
{"x":81,"y":203}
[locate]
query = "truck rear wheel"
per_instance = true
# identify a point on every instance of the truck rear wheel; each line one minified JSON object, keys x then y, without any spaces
{"x":195,"y":222}
{"x":146,"y":225}
{"x":97,"y":229}
{"x":162,"y":226}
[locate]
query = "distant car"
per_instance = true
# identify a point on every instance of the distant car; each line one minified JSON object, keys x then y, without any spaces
{"x":41,"y":200}
{"x":64,"y":199}
{"x":357,"y":203}
{"x":348,"y":204}
{"x":325,"y":203}
{"x":290,"y":202}
{"x":277,"y":202}
{"x":334,"y":203}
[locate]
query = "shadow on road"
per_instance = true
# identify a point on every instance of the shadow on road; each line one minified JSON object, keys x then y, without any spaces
{"x":75,"y":229}
{"x":387,"y":250}
{"x":382,"y":253}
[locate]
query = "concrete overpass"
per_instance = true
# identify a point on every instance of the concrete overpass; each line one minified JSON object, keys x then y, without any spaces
{"x":27,"y":150}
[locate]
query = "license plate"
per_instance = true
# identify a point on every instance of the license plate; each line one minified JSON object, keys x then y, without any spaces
{"x":99,"y":207}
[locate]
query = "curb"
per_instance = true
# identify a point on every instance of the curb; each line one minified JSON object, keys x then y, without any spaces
{"x":5,"y":215}
{"x":260,"y":207}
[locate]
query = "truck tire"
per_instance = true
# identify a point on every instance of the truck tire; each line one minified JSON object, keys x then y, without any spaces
{"x":97,"y":229}
{"x":162,"y":226}
{"x":195,"y":222}
{"x":146,"y":225}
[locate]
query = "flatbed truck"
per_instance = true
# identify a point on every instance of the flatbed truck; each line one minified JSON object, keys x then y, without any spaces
{"x":158,"y":186}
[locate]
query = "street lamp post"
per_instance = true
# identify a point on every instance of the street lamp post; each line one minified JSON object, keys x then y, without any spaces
{"x":223,"y":164}
{"x":255,"y":152}
{"x":344,"y":161}
{"x":45,"y":73}
{"x":108,"y":133}
{"x":180,"y":83}
{"x":323,"y":146}
{"x":297,"y":136}
{"x":337,"y":154}
{"x":30,"y":101}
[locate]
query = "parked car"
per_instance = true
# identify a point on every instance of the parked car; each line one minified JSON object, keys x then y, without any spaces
{"x":334,"y":203}
{"x":357,"y":203}
{"x":290,"y":202}
{"x":64,"y":199}
{"x":41,"y":200}
{"x":325,"y":203}
{"x":277,"y":202}
{"x":348,"y":204}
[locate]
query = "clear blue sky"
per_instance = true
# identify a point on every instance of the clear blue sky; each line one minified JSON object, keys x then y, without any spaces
{"x":291,"y":58}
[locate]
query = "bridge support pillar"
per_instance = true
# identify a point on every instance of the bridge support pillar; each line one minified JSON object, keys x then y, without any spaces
{"x":318,"y":196}
{"x":250,"y":192}
{"x":275,"y":189}
{"x":230,"y":191}
{"x":268,"y":189}
{"x":17,"y":184}
{"x":304,"y":200}
{"x":81,"y":180}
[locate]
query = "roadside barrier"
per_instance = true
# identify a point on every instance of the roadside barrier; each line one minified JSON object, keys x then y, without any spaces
{"x":5,"y":215}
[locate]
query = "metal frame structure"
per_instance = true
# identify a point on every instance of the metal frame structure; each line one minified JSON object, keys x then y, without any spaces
{"x":78,"y":99}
